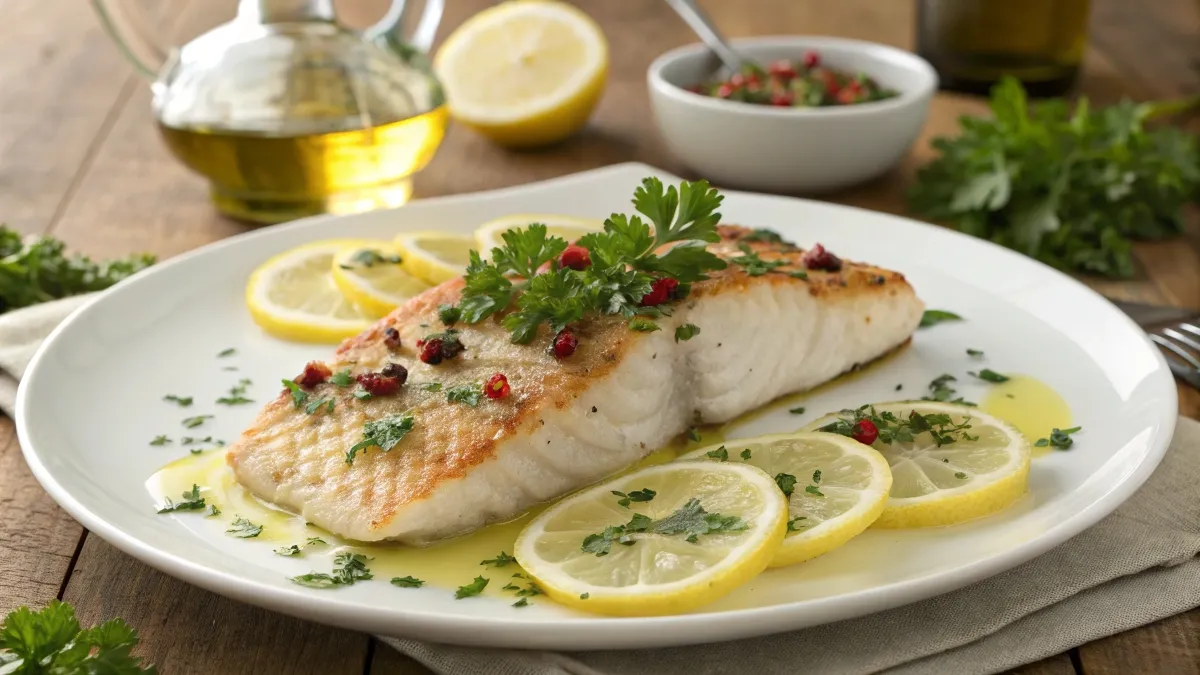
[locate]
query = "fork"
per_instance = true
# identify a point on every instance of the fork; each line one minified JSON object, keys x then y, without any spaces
{"x":1176,"y":331}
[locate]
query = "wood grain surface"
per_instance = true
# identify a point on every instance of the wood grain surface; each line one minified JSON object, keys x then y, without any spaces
{"x":80,"y":158}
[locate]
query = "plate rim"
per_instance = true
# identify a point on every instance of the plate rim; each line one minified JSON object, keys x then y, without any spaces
{"x":588,"y":633}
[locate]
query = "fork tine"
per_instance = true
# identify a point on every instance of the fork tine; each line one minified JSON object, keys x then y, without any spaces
{"x":1176,"y":349}
{"x":1180,"y":337}
{"x":1191,"y":328}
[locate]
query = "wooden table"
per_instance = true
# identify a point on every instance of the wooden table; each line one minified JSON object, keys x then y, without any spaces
{"x":80,"y":159}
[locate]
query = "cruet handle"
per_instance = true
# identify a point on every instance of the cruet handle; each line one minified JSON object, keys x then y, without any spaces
{"x":390,"y":26}
{"x":134,"y":33}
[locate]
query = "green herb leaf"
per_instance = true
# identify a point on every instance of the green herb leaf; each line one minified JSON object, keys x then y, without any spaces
{"x":813,"y":490}
{"x":932,"y":317}
{"x":292,"y":550}
{"x":230,"y":351}
{"x":893,"y":428}
{"x":643,"y":325}
{"x":316,"y":404}
{"x":502,"y":559}
{"x":690,"y":519}
{"x":348,"y":568}
{"x":407,"y":582}
{"x":234,"y":400}
{"x":362,"y":395}
{"x":299,"y":396}
{"x":768,"y":236}
{"x":193,"y":422}
{"x":431,"y":386}
{"x":686,"y":332}
{"x":643,"y":495}
{"x":693,"y":434}
{"x":181,"y":401}
{"x":974,"y":352}
{"x":746,"y":454}
{"x":786,"y":483}
{"x":244,"y":529}
{"x":1059,"y":438}
{"x":467,"y":394}
{"x":794,"y":524}
{"x":753,"y":265}
{"x":584,"y":596}
{"x":383,"y":433}
{"x":449,"y":314}
{"x":720,"y":453}
{"x":192,"y":501}
{"x":474,"y":588}
{"x":342,"y":378}
{"x":989,"y":375}
{"x":52,"y":642}
{"x":797,"y":411}
{"x":959,"y":475}
{"x":521,"y":603}
{"x":160,"y":440}
{"x":212,"y":511}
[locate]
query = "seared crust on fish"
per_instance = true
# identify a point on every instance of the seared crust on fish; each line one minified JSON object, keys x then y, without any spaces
{"x":566,"y":423}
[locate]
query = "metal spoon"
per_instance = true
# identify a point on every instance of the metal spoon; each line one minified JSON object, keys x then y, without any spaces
{"x":703,"y":27}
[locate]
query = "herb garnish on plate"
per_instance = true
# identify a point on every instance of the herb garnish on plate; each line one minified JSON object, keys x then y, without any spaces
{"x":52,"y":641}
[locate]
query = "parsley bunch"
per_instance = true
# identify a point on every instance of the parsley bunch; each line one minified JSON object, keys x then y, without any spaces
{"x":624,"y":263}
{"x":52,"y":641}
{"x":39,"y":271}
{"x":1071,"y":188}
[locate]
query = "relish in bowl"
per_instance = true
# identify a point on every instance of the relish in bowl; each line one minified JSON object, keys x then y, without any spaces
{"x":803,"y":83}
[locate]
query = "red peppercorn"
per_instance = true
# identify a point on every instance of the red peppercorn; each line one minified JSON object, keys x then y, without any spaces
{"x":431,"y":351}
{"x":378,"y":385}
{"x":817,"y":258}
{"x":660,"y":291}
{"x":865,"y":432}
{"x":395,"y":370}
{"x":314,"y":373}
{"x":725,"y":91}
{"x":391,"y":337}
{"x":782,"y":99}
{"x":451,"y":347}
{"x":782,"y":68}
{"x":497,"y":386}
{"x":575,"y":257}
{"x":564,"y":344}
{"x":811,"y":59}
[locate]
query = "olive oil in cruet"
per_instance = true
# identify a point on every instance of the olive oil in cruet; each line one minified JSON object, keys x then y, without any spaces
{"x":973,"y":43}
{"x":288,"y":113}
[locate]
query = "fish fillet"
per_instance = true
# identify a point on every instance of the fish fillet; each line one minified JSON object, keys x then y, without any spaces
{"x":566,"y":423}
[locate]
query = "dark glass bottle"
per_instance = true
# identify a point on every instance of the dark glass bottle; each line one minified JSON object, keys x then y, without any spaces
{"x":972,"y":43}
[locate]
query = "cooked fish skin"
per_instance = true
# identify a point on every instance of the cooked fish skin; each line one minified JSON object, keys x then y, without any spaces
{"x":566,"y":423}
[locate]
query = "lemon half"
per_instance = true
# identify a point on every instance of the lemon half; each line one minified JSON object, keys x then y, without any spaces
{"x":984,"y":470}
{"x":576,"y":554}
{"x":293,"y":296}
{"x":826,"y":509}
{"x":525,"y":72}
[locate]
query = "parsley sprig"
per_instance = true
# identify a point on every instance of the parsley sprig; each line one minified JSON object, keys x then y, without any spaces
{"x":894,"y":428}
{"x":52,"y":641}
{"x":625,"y":261}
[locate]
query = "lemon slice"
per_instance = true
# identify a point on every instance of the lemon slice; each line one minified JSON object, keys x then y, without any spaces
{"x":826,"y":509}
{"x":574,"y":549}
{"x":434,"y":256}
{"x":984,"y":470}
{"x":525,"y":72}
{"x":488,"y":235}
{"x":372,"y":278}
{"x":292,"y":295}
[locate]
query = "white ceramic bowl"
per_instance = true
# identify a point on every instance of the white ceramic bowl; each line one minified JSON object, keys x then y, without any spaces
{"x":798,"y":150}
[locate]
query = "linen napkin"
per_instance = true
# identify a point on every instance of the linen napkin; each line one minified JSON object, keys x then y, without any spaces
{"x":1134,"y":567}
{"x":21,"y":332}
{"x":1138,"y":565}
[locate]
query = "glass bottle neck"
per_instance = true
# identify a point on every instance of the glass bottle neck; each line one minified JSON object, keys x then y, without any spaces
{"x":278,"y":11}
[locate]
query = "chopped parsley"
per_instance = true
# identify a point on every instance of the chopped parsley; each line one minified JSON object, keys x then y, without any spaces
{"x":786,"y":483}
{"x":362,"y":395}
{"x":959,"y":475}
{"x":643,"y":325}
{"x":693,"y":434}
{"x":212,"y":511}
{"x":244,"y":529}
{"x":181,"y":401}
{"x":1059,"y":438}
{"x":502,"y":559}
{"x":584,"y":596}
{"x":813,"y":489}
{"x":191,"y":440}
{"x":939,"y":388}
{"x":299,"y":396}
{"x":768,"y":236}
{"x":746,"y":454}
{"x":193,"y":422}
{"x":474,"y":588}
{"x":342,"y":378}
{"x":449,"y":314}
{"x":382,"y":433}
{"x":292,"y":550}
{"x":431,"y":386}
{"x":226,"y":352}
{"x":932,"y":317}
{"x":686,"y":332}
{"x":798,"y":274}
{"x":989,"y":375}
{"x":196,"y":451}
{"x":521,"y":603}
{"x":407,"y":582}
{"x":624,"y":263}
{"x":237,"y":394}
{"x":192,"y":501}
{"x":643,"y":495}
{"x":894,"y":428}
{"x":160,"y":440}
{"x":314,"y":541}
{"x":753,"y":265}
{"x":792,"y":525}
{"x":974,"y":352}
{"x":316,"y":404}
{"x":466,"y":394}
{"x":690,"y":519}
{"x":797,"y":411}
{"x":720,"y":453}
{"x":369,"y":257}
{"x":347,"y":569}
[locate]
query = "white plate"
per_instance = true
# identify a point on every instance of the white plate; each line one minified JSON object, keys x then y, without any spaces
{"x":91,"y":400}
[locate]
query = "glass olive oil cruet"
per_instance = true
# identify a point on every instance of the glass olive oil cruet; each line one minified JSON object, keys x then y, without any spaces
{"x":287,"y":112}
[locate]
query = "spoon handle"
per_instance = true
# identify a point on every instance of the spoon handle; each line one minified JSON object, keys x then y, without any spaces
{"x":700,"y":24}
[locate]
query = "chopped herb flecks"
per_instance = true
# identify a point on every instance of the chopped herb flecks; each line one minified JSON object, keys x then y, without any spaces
{"x":686,"y":332}
{"x":226,"y":352}
{"x":244,"y":529}
{"x":1059,"y":438}
{"x":382,"y":433}
{"x":347,"y":569}
{"x":786,"y":483}
{"x":502,"y":559}
{"x":192,"y":501}
{"x":933,"y":317}
{"x":160,"y":440}
{"x":690,"y":519}
{"x":746,"y":454}
{"x":894,"y":428}
{"x":193,"y":422}
{"x":643,"y":495}
{"x":720,"y":453}
{"x":466,"y":394}
{"x":407,"y":582}
{"x":181,"y":401}
{"x":474,"y":588}
{"x":797,"y":411}
{"x":989,"y":375}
